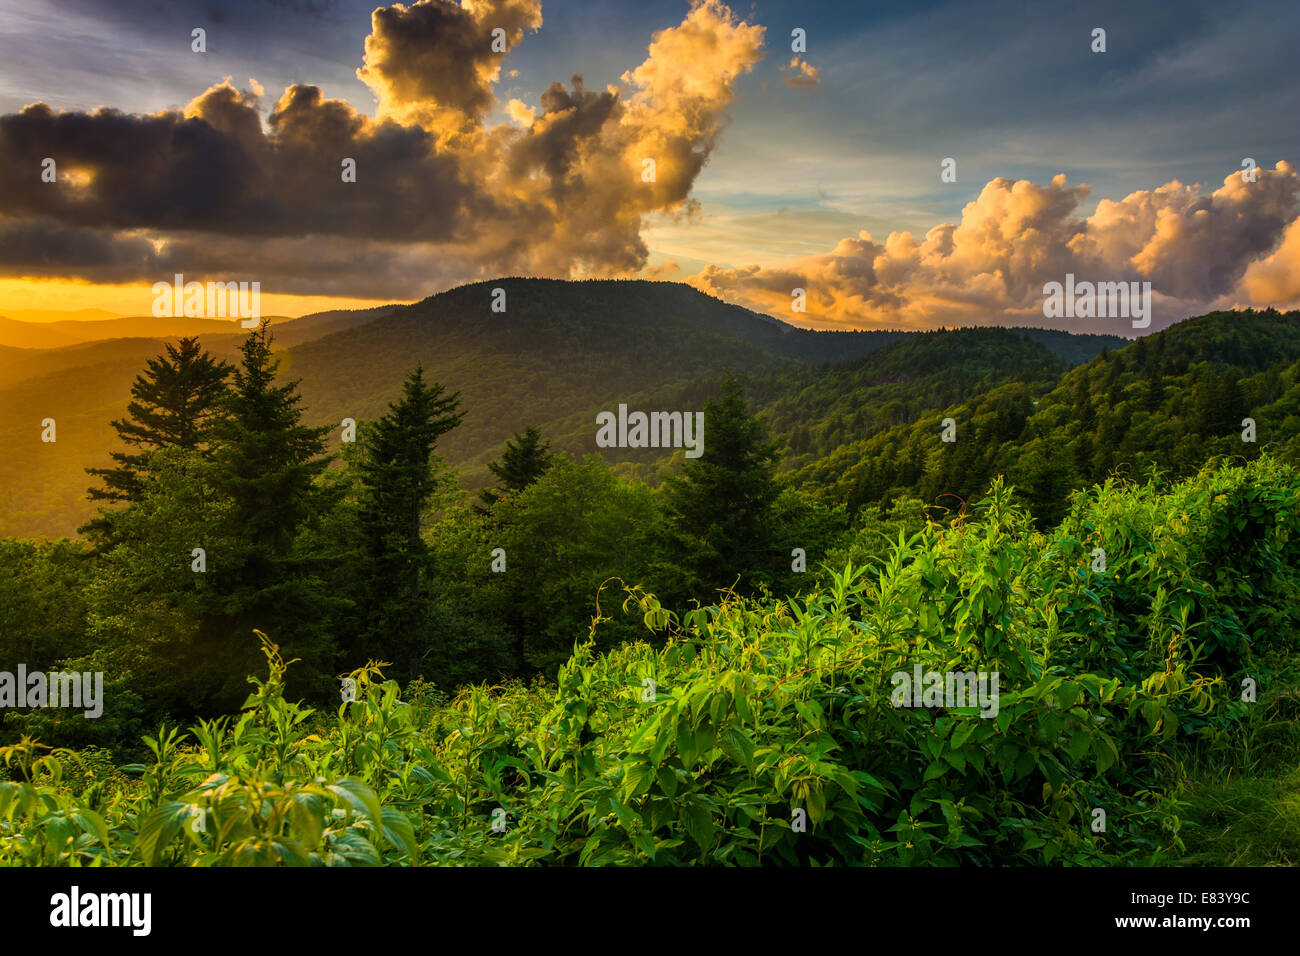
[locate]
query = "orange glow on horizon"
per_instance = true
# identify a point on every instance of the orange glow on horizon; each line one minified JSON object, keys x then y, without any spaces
{"x":133,"y":299}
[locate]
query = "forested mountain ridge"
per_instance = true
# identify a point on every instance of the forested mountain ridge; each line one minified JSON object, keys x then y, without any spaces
{"x":563,"y":351}
{"x":1172,"y":400}
{"x":558,"y":349}
{"x":559,"y":353}
{"x":822,"y":410}
{"x":64,"y":332}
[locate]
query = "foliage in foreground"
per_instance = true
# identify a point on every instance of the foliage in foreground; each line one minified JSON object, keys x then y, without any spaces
{"x":700,"y":750}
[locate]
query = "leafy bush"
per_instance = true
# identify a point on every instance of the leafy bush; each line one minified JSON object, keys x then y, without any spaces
{"x":708,"y":747}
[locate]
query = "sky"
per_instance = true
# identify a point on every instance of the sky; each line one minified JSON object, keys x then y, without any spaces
{"x":775,"y":169}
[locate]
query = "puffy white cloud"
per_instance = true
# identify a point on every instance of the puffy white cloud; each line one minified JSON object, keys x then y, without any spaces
{"x":1198,"y":250}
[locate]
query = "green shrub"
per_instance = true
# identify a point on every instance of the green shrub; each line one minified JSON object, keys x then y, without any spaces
{"x":750,"y":716}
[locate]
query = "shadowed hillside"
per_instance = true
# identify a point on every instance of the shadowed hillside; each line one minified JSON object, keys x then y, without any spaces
{"x":559,"y":353}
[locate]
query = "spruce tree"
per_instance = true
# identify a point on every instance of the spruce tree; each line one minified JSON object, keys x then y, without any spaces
{"x":720,"y":506}
{"x":397,"y":483}
{"x":174,"y":403}
{"x":267,"y":460}
{"x":265,"y":466}
{"x":524,"y":460}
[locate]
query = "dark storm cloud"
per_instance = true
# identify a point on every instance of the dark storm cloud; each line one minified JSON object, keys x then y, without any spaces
{"x":568,"y":120}
{"x":30,"y":247}
{"x":441,"y":194}
{"x":215,"y":168}
{"x":295,"y":266}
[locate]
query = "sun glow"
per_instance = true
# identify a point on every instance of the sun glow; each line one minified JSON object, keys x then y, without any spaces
{"x":23,"y":295}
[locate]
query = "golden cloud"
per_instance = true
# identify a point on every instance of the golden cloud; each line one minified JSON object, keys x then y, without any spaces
{"x":1198,"y":251}
{"x":559,"y":189}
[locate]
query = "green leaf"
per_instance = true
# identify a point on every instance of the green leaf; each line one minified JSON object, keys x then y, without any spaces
{"x":645,"y":842}
{"x":1003,"y":719}
{"x":399,"y":832}
{"x":1067,"y":694}
{"x":667,"y":780}
{"x":816,"y":804}
{"x":705,"y":738}
{"x":359,"y":796}
{"x":637,"y":778}
{"x":92,"y":821}
{"x":307,"y":817}
{"x":1105,"y":752}
{"x":735,"y":743}
{"x":963,"y":731}
{"x":739,"y":699}
{"x":158,"y":830}
{"x":1151,"y":711}
{"x":699,"y":824}
{"x":1078,"y":745}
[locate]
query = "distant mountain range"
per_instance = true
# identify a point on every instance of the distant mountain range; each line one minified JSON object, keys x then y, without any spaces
{"x":560,"y":352}
{"x":58,"y":315}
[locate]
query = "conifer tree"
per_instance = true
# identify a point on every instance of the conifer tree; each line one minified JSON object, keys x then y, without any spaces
{"x":267,"y":460}
{"x":397,"y":482}
{"x":524,"y":460}
{"x":721,"y":504}
{"x":265,"y":469}
{"x":174,"y":403}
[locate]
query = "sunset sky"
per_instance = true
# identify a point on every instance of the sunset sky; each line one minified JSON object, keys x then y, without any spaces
{"x":774,"y":169}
